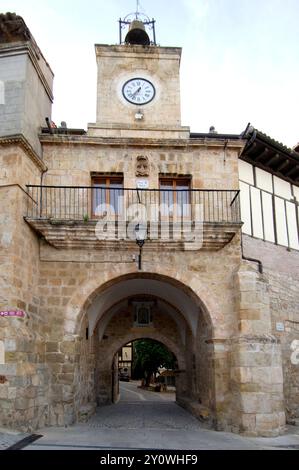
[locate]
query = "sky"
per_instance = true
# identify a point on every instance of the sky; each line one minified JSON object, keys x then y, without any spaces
{"x":240,"y":60}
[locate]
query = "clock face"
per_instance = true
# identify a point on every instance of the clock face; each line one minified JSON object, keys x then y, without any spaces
{"x":139,"y":91}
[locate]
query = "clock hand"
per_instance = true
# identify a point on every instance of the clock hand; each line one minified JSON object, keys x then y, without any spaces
{"x":137,"y":91}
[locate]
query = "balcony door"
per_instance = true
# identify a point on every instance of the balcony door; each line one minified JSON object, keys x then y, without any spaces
{"x":175,"y":198}
{"x":107,"y":197}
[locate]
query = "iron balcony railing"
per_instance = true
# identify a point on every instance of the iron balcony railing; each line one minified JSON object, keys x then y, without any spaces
{"x":75,"y":203}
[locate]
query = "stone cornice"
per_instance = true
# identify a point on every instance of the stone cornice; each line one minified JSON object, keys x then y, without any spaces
{"x":140,"y":142}
{"x":74,"y":234}
{"x":146,"y":52}
{"x":20,"y":140}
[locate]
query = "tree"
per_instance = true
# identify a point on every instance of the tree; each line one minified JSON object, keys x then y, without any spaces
{"x":149,"y":355}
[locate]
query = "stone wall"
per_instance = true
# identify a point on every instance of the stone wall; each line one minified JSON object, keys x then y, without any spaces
{"x":59,"y":363}
{"x":25,"y":393}
{"x":70,"y":163}
{"x":281,"y":269}
{"x":12,"y":74}
{"x":19,"y":277}
{"x":256,"y":364}
{"x":117,"y":64}
{"x":27,"y":80}
{"x":67,"y":284}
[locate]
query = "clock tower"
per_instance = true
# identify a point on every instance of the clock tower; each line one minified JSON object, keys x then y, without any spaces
{"x":138,"y":85}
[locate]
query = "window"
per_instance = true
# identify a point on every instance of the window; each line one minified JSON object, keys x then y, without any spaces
{"x":143,"y":314}
{"x":107,"y":195}
{"x":175,"y":197}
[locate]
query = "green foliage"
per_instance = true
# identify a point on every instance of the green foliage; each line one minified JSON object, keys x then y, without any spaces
{"x":149,"y":355}
{"x":85,"y":218}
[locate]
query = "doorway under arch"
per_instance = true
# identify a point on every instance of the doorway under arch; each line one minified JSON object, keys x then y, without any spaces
{"x":147,"y":364}
{"x":179,"y":320}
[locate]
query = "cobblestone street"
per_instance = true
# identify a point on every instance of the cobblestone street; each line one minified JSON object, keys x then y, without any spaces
{"x":9,"y":439}
{"x":148,"y":420}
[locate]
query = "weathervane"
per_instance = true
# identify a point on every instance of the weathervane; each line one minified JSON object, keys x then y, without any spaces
{"x":129,"y":22}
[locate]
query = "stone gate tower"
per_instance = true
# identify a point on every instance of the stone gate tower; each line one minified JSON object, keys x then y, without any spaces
{"x":138,"y":91}
{"x":71,"y":284}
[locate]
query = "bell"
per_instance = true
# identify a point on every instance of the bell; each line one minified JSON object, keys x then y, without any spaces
{"x":137,"y":34}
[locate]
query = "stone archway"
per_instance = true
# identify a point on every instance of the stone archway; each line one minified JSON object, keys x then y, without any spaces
{"x":104,"y":378}
{"x":112,"y":360}
{"x":194,"y":287}
{"x":223,"y":366}
{"x":176,"y":326}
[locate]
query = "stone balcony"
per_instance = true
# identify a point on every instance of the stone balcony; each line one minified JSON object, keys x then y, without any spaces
{"x":106,"y":219}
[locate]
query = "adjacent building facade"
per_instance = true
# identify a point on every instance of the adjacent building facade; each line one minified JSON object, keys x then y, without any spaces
{"x":132,"y":230}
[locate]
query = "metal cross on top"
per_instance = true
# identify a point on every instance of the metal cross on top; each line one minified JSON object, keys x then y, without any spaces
{"x":137,"y":8}
{"x":137,"y":16}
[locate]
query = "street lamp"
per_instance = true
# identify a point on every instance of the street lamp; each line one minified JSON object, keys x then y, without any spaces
{"x":140,"y":236}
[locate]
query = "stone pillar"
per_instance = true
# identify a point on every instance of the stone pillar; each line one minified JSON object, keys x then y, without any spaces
{"x":24,"y":391}
{"x":181,"y":391}
{"x":104,"y":386}
{"x":62,"y":358}
{"x":220,"y":386}
{"x":115,"y":382}
{"x":256,"y":366}
{"x":24,"y":378}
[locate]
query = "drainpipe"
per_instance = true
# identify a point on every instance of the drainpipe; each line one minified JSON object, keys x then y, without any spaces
{"x":44,"y":171}
{"x":51,"y":132}
{"x":42,"y":175}
{"x":224,"y":151}
{"x":254,"y":260}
